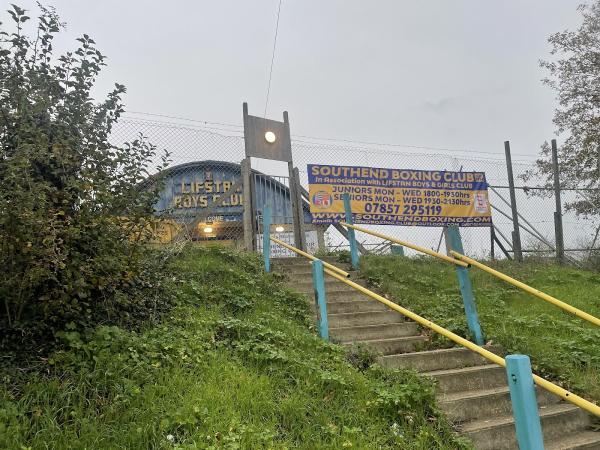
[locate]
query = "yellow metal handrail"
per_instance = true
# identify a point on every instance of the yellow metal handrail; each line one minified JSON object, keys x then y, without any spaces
{"x":408,"y":244}
{"x":539,"y":294}
{"x":311,"y":257}
{"x":543,"y":383}
{"x":335,"y":272}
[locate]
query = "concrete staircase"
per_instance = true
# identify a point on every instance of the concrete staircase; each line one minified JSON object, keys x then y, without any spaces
{"x":473,"y":393}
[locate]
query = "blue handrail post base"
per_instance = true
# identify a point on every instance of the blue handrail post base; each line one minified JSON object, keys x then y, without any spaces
{"x":397,"y":250}
{"x":351,"y":234}
{"x":454,"y":242}
{"x":524,"y":403}
{"x":267,"y":237}
{"x":320,"y":298}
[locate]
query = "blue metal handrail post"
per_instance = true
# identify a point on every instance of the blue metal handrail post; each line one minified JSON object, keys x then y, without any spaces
{"x":320,"y":298}
{"x":464,"y":283}
{"x":524,"y":403}
{"x":397,"y":250}
{"x":267,"y":237}
{"x":351,"y":233}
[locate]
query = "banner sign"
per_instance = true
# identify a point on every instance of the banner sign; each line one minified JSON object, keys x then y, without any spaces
{"x":399,"y":196}
{"x":278,"y":251}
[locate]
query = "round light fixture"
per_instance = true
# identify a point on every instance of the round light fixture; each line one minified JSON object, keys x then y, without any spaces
{"x":279,"y":229}
{"x":270,"y":137}
{"x":208,"y":229}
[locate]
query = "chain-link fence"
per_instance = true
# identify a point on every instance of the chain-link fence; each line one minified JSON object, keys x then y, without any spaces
{"x":203,"y":199}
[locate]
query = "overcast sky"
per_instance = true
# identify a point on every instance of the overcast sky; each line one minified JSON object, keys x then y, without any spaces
{"x":458,"y":74}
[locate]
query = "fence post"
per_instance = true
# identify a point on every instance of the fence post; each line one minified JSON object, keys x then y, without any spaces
{"x":558,"y":225}
{"x":351,"y":233}
{"x":247,"y":196}
{"x":524,"y":403}
{"x":320,"y":298}
{"x":454,"y":242}
{"x":267,"y":237}
{"x":300,"y":206}
{"x":516,"y":234}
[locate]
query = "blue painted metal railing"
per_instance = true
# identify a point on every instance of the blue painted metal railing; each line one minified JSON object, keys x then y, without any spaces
{"x":351,"y":234}
{"x":320,"y":298}
{"x":464,"y":283}
{"x":524,"y":403}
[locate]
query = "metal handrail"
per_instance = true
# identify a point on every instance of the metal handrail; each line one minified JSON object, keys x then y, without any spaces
{"x":541,"y":382}
{"x":311,"y":257}
{"x":408,"y":244}
{"x":539,"y":294}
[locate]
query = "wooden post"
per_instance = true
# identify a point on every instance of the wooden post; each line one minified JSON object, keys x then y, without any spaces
{"x":454,"y":242}
{"x":320,"y":298}
{"x":558,"y":225}
{"x":266,"y":232}
{"x":351,"y":233}
{"x":524,"y":403}
{"x":293,"y":202}
{"x":247,"y":218}
{"x":299,"y":206}
{"x":321,"y":229}
{"x":294,"y":189}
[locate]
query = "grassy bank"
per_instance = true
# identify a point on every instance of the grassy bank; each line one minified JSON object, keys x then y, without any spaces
{"x":561,"y":346}
{"x":234,"y":365}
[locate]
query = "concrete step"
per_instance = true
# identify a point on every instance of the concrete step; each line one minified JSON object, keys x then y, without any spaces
{"x":469,"y":378}
{"x":428,"y":361}
{"x":498,"y":433}
{"x":393,"y":345}
{"x":301,"y":261}
{"x":346,"y":293}
{"x":583,"y":440}
{"x":331,"y":284}
{"x":305,"y":270}
{"x":300,"y":271}
{"x":335,"y":295}
{"x":295,"y":277}
{"x":370,"y":332}
{"x":355,"y":307}
{"x":357,"y":319}
{"x":470,"y":405}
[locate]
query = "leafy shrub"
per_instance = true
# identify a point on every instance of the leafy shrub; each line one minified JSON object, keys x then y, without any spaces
{"x":73,"y":216}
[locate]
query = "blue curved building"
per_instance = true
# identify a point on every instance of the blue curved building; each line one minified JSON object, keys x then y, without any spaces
{"x":200,"y":192}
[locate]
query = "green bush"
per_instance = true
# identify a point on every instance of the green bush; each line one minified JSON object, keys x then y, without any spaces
{"x":73,"y":219}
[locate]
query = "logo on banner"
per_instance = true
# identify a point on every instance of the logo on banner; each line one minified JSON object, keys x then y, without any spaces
{"x":322,"y":199}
